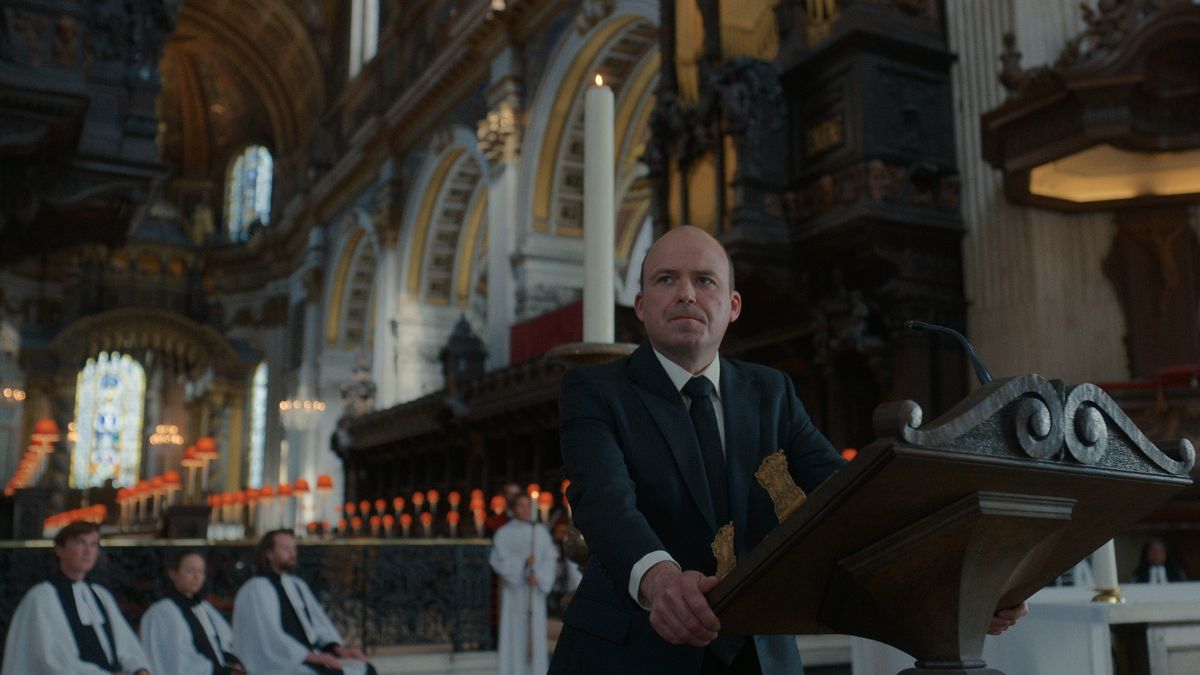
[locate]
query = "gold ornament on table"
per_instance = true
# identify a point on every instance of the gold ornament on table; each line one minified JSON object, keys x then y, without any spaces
{"x":773,"y":475}
{"x":722,"y":548}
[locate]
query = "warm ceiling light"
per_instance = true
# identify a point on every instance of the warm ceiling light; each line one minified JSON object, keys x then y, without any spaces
{"x":1106,"y":173}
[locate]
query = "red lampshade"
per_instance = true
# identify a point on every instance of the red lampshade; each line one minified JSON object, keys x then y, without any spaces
{"x":389,"y":520}
{"x":324,"y":483}
{"x":206,"y":448}
{"x":418,"y":498}
{"x":499,"y":504}
{"x":266,"y":492}
{"x":300,"y":486}
{"x":453,"y":517}
{"x":350,"y":508}
{"x":398,"y":504}
{"x":380,"y":505}
{"x":191,"y":460}
{"x":45,"y":430}
{"x":533,"y":489}
{"x":285,"y":489}
{"x":545,"y":499}
{"x":433,"y":496}
{"x":356,"y":522}
{"x":171,"y":478}
{"x":364,"y":507}
{"x":455,"y":498}
{"x":406,"y":520}
{"x":426,"y":518}
{"x":375,"y":521}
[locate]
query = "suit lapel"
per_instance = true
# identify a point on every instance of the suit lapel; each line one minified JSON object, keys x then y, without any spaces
{"x":740,"y":401}
{"x":666,"y":407}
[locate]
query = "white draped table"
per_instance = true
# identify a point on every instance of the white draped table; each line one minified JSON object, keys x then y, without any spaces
{"x":1157,"y":631}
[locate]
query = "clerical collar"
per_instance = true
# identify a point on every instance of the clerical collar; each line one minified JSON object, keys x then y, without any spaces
{"x":57,"y":576}
{"x":680,"y":376}
{"x":185,"y":600}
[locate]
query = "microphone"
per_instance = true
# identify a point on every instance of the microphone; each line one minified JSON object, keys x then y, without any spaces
{"x":981,"y":370}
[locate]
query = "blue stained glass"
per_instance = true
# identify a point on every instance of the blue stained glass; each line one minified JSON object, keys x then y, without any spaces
{"x":110,"y":396}
{"x":248,"y":191}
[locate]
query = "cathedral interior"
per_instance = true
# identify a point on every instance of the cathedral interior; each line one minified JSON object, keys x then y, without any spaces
{"x":340,"y":238}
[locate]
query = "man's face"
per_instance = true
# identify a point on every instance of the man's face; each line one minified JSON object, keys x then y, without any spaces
{"x":523,"y":509}
{"x":77,"y":556}
{"x":685,"y":302}
{"x":189,"y":578}
{"x":283,"y":555}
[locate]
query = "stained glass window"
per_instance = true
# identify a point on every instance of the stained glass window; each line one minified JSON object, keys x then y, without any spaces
{"x":258,"y":425}
{"x":248,"y":191}
{"x":364,"y":33}
{"x":110,"y":395}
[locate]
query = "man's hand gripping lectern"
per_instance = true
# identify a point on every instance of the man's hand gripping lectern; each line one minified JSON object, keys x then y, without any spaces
{"x":931,"y":528}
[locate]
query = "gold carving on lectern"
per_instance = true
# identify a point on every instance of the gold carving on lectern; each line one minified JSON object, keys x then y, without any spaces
{"x":722,"y":548}
{"x":773,"y":475}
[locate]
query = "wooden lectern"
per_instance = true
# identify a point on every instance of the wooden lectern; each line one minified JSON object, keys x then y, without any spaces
{"x":931,"y":528}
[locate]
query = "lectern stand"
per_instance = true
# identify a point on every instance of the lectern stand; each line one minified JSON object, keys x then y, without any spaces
{"x":932,"y":527}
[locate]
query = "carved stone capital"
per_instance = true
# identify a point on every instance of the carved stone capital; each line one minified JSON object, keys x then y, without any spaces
{"x":592,"y":12}
{"x":499,"y":134}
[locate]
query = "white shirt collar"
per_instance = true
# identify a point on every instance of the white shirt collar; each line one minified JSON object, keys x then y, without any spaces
{"x":680,"y":376}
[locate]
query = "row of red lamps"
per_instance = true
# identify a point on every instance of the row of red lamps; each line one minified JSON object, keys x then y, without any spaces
{"x":422,"y":508}
{"x":262,"y":508}
{"x":32,"y":466}
{"x":96,"y":513}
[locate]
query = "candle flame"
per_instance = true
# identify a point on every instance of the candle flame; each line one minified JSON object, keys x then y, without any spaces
{"x":599,"y":80}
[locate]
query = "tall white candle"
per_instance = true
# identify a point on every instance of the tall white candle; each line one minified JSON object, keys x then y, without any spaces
{"x":599,"y":222}
{"x":1104,"y":566}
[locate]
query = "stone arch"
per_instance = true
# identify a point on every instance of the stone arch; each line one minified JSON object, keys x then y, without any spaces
{"x":624,"y":49}
{"x":447,"y":227}
{"x":189,"y":347}
{"x":351,"y":306}
{"x":273,"y":50}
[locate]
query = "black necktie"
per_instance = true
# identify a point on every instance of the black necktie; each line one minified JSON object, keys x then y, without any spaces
{"x":704,"y":419}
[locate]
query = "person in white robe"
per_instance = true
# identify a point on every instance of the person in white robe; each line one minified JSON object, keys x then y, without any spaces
{"x":69,"y":626}
{"x":184,"y":634}
{"x":279,"y":626}
{"x":526,"y":560}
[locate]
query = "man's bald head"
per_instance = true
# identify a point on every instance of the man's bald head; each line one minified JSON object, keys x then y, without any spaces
{"x":642,"y":276}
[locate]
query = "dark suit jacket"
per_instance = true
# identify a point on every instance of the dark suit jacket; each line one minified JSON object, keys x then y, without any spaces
{"x":638,"y":485}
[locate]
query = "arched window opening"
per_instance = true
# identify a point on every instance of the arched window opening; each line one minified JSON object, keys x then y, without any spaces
{"x":364,"y":33}
{"x":248,"y":191}
{"x":110,"y":396}
{"x":258,"y":426}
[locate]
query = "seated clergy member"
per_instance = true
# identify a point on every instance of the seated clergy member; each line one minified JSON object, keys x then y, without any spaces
{"x":182,"y":633}
{"x":279,"y":627}
{"x":69,"y":626}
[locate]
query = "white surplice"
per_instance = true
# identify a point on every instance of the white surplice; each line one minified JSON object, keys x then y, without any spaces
{"x":511,"y":548}
{"x":259,"y":639}
{"x":40,"y":638}
{"x":167,"y":638}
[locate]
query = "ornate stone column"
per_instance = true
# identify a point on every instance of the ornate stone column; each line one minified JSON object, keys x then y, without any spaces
{"x":500,"y":141}
{"x":385,"y":364}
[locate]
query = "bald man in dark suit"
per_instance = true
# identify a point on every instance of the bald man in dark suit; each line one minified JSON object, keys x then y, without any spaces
{"x":661,"y":449}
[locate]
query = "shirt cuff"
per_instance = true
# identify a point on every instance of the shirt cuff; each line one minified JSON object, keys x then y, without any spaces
{"x":641,"y":567}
